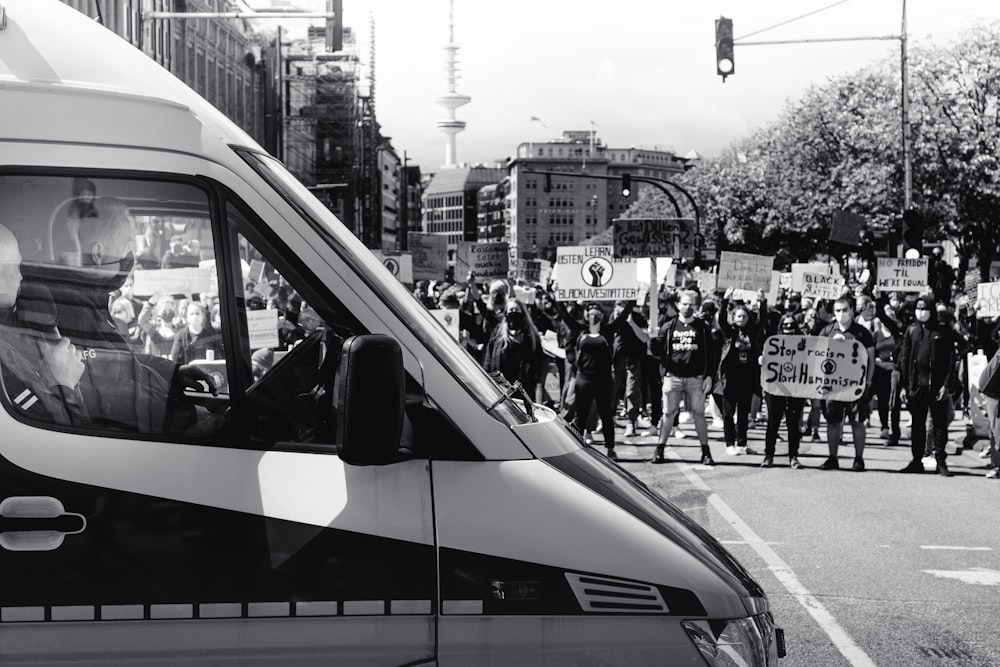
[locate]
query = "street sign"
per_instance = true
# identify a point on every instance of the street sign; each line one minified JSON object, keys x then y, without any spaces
{"x":488,"y":260}
{"x":814,"y":367}
{"x":592,"y":273}
{"x":901,"y":275}
{"x":400,"y":265}
{"x":654,"y":237}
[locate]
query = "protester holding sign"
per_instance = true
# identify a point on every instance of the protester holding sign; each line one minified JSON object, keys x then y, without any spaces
{"x":845,"y":328}
{"x":926,"y":365}
{"x":788,"y":406}
{"x":738,"y":376}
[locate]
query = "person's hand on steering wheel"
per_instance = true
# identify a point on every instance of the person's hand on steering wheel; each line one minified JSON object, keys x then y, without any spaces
{"x":191,"y":377}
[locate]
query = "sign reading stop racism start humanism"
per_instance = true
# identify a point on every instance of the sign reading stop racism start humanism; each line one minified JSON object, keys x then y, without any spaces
{"x":592,"y":273}
{"x":814,"y":367}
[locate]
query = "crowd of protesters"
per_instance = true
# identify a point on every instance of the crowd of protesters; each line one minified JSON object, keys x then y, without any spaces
{"x":704,"y":355}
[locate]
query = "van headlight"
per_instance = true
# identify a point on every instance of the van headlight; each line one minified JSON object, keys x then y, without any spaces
{"x":741,"y":642}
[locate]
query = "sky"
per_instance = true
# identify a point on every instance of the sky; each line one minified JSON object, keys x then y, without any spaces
{"x":642,"y":71}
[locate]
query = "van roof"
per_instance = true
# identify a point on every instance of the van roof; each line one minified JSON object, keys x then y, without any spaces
{"x":58,"y":66}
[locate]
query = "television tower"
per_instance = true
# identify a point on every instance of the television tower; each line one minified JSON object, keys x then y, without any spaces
{"x":451,"y":99}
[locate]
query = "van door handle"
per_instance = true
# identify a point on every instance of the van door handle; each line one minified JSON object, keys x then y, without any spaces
{"x":36,"y":523}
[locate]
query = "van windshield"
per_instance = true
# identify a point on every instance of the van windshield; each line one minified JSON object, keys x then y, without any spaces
{"x":410,"y":311}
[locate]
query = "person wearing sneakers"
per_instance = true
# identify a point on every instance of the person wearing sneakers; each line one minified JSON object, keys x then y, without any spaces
{"x":788,"y":407}
{"x":684,"y":345}
{"x":926,"y":365}
{"x":738,"y":378}
{"x":856,"y":412}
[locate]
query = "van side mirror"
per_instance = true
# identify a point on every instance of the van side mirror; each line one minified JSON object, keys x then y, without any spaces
{"x":369,"y":397}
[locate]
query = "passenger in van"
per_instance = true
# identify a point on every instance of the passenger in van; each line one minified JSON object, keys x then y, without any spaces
{"x":40,"y":369}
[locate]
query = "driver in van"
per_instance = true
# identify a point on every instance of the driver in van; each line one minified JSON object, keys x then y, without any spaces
{"x":40,"y":369}
{"x":135,"y":392}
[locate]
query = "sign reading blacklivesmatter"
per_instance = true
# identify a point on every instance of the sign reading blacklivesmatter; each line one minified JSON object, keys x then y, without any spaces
{"x":592,"y":273}
{"x":814,"y":367}
{"x":654,"y":237}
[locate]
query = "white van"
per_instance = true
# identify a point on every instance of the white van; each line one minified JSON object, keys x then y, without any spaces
{"x":359,"y":492}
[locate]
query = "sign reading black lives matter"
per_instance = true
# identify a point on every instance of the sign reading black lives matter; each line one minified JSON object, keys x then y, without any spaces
{"x":488,"y":260}
{"x":654,"y":237}
{"x":814,"y":367}
{"x":592,"y":273}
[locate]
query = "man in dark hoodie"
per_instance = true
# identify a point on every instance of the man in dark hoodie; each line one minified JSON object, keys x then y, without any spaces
{"x":926,"y":363}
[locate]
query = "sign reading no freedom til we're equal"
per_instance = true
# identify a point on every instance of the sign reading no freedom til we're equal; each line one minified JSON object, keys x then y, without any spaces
{"x":814,"y":367}
{"x":901,"y":274}
{"x":592,"y":273}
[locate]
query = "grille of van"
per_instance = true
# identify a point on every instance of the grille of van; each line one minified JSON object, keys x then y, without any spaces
{"x":604,"y":595}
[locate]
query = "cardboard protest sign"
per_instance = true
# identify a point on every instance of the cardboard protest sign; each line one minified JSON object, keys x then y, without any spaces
{"x":400,"y":265}
{"x":814,"y":367}
{"x":654,"y":237}
{"x":708,"y":281}
{"x":592,"y":273}
{"x":488,"y":260}
{"x":799,"y":269}
{"x":448,"y":317}
{"x":186,"y":281}
{"x":525,"y":294}
{"x":430,"y":255}
{"x":262,"y":325}
{"x":822,"y":285}
{"x":901,"y":275}
{"x":846,"y":228}
{"x":550,"y":344}
{"x":987,"y":300}
{"x":745,"y":271}
{"x":772,"y":296}
{"x":528,"y":270}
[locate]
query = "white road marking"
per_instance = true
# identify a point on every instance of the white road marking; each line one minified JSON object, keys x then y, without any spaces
{"x":854,"y":654}
{"x":937,"y":547}
{"x":745,"y":542}
{"x":975,"y":575}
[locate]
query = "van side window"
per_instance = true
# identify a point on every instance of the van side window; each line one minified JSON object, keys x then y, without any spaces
{"x":291,"y":338}
{"x":107,"y":320}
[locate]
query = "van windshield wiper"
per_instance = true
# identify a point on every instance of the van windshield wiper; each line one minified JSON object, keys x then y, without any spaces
{"x":509,"y":390}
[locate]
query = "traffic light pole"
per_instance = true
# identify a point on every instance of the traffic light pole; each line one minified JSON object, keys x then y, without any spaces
{"x":905,"y":95}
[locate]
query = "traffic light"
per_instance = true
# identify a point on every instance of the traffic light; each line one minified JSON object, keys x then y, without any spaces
{"x":913,"y":234}
{"x":724,"y":64}
{"x":626,"y":185}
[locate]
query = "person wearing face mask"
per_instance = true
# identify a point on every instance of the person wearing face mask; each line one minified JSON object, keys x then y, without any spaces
{"x":926,"y":365}
{"x":198,"y":340}
{"x":684,"y":346}
{"x":594,"y":381}
{"x":512,"y":346}
{"x":856,"y":412}
{"x":738,"y":377}
{"x":788,"y":406}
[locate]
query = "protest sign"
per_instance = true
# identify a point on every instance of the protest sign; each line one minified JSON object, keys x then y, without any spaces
{"x":592,"y":273}
{"x":448,"y":317}
{"x":799,"y":269}
{"x":987,"y":300}
{"x":430,"y":255}
{"x":488,"y":260}
{"x":550,"y":344}
{"x":400,"y":265}
{"x":654,"y":237}
{"x":262,"y":325}
{"x":708,"y":281}
{"x":972,"y":281}
{"x":846,"y":228}
{"x":544,"y":271}
{"x":772,"y":296}
{"x":745,"y":271}
{"x":185,"y":281}
{"x":822,"y":285}
{"x":528,"y":270}
{"x":901,"y":275}
{"x":525,"y":294}
{"x":814,"y":367}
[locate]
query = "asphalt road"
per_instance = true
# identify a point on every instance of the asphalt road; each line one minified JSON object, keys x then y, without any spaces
{"x":861,"y":568}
